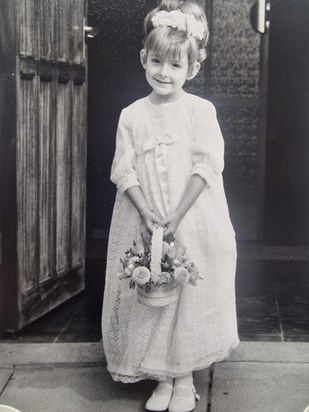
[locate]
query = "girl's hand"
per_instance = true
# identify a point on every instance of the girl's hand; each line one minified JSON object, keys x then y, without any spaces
{"x":150,"y":218}
{"x":171,"y":223}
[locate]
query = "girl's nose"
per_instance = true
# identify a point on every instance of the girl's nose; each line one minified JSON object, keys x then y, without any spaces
{"x":164,"y":70}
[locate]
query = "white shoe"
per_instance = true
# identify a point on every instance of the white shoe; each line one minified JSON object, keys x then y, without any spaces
{"x":183,"y":398}
{"x":160,"y":399}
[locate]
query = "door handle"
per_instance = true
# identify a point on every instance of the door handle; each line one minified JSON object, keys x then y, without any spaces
{"x":258,"y":16}
{"x":90,"y":32}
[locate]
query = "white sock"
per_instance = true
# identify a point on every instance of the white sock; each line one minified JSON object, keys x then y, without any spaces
{"x":184,"y":380}
{"x":168,"y":380}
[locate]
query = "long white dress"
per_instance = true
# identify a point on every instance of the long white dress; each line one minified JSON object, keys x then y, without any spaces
{"x":159,"y":147}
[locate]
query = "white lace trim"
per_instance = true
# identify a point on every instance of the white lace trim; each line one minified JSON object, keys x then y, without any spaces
{"x":162,"y":375}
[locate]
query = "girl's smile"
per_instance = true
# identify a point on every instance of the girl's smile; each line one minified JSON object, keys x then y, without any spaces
{"x":162,"y":81}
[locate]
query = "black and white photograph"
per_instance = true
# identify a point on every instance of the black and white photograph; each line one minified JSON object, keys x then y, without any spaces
{"x":154,"y":212}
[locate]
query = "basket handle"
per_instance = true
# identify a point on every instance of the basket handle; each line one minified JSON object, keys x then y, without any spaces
{"x":156,"y":249}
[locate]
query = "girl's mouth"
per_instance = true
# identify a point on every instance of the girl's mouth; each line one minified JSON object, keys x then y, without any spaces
{"x":162,"y":82}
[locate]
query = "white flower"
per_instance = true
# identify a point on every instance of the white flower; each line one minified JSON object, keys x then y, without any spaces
{"x":175,"y":19}
{"x":141,"y":275}
{"x":133,"y":260}
{"x":180,"y":21}
{"x":181,"y":275}
{"x":195,"y":28}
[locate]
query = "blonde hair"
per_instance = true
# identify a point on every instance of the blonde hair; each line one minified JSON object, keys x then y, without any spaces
{"x":171,"y":41}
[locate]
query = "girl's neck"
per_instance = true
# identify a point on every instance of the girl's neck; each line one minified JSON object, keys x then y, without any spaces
{"x":161,"y":99}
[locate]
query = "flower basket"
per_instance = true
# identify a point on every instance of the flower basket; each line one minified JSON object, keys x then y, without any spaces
{"x":161,"y":294}
{"x":158,"y":296}
{"x":158,"y":269}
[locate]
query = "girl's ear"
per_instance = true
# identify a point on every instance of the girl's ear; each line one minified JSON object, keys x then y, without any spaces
{"x":143,"y":57}
{"x":193,"y":70}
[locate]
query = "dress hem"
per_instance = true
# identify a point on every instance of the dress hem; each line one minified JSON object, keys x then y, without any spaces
{"x":147,"y":373}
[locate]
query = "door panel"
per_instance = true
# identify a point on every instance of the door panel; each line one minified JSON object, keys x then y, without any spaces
{"x":47,"y":37}
{"x":63,"y":162}
{"x":65,"y":30}
{"x":78,"y":176}
{"x":27,"y":184}
{"x":46,"y":172}
{"x":27,"y":14}
{"x":78,"y":32}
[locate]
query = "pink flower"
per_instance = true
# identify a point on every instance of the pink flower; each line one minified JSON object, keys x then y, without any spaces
{"x":165,"y":277}
{"x":141,"y":275}
{"x":193,"y":278}
{"x":122,"y":275}
{"x":165,"y":247}
{"x":137,"y":249}
{"x":181,"y":275}
{"x":193,"y":269}
{"x":180,"y":253}
{"x":128,"y":271}
{"x":194,"y":274}
{"x":172,"y":252}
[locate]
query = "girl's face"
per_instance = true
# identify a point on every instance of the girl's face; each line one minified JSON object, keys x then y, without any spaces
{"x":167,"y":75}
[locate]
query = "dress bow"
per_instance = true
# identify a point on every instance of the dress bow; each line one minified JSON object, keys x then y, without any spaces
{"x":153,"y":143}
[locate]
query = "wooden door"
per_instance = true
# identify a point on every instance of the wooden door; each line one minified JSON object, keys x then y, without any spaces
{"x":50,"y":166}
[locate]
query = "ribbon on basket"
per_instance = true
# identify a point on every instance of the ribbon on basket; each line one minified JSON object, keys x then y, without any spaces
{"x":156,"y":251}
{"x":159,"y":295}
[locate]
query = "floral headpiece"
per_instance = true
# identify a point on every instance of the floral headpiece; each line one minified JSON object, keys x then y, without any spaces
{"x":180,"y":21}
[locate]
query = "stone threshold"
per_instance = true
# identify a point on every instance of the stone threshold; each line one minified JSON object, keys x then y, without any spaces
{"x":15,"y":354}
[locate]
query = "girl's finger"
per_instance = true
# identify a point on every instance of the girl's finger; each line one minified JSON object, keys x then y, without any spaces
{"x":168,"y":231}
{"x":164,"y":221}
{"x":154,"y":218}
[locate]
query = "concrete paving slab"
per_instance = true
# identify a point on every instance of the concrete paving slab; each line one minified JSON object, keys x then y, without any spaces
{"x":5,"y":374}
{"x":297,"y":352}
{"x":82,"y":389}
{"x":48,"y":353}
{"x":69,"y":389}
{"x":260,"y":387}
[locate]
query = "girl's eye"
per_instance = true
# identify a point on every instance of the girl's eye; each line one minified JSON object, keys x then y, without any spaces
{"x":176,"y":65}
{"x":155,"y":60}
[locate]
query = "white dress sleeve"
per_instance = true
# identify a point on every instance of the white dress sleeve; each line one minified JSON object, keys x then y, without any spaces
{"x":207,"y":150}
{"x":123,"y":171}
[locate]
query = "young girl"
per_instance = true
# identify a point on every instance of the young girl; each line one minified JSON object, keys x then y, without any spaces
{"x":168,"y":171}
